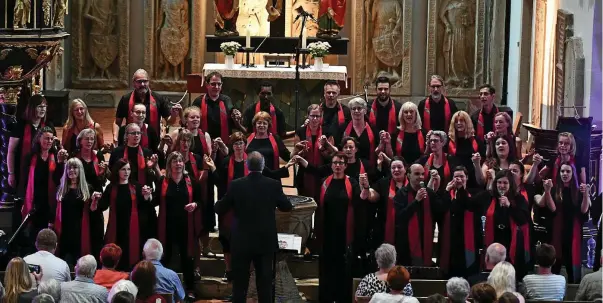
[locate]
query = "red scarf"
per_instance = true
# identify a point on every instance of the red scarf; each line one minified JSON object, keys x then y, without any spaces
{"x":557,"y":232}
{"x":480,"y":122}
{"x":29,"y":193}
{"x":371,"y":138}
{"x":200,"y":175}
{"x":350,"y":213}
{"x":390,"y":215}
{"x":94,"y":161}
{"x":557,"y":165}
{"x":27,"y":138}
{"x":85,"y":226}
{"x":400,"y":141}
{"x":73,"y":132}
{"x":142,"y":179}
{"x":275,"y":153}
{"x":429,"y":164}
{"x":272,"y":116}
{"x":193,"y":218}
{"x":452,"y":146}
{"x":144,"y":138}
{"x":203,"y":140}
{"x":134,"y":232}
{"x":340,"y":114}
{"x":420,"y":254}
{"x":515,"y":229}
{"x":427,"y":115}
{"x":223,"y":119}
{"x":468,"y":237}
{"x":153,"y":118}
{"x":391,"y":120}
{"x":313,"y":157}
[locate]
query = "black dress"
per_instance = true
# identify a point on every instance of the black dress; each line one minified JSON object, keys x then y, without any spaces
{"x":411,"y":146}
{"x":381,"y":206}
{"x":364,"y":146}
{"x":445,"y":171}
{"x":264,"y":147}
{"x":462,"y":150}
{"x":118,"y":153}
{"x":311,"y":190}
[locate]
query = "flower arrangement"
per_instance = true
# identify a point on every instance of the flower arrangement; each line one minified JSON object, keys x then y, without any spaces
{"x":230,"y":48}
{"x":319,"y":49}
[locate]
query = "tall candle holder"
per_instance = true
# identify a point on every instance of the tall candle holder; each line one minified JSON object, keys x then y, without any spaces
{"x":248,"y":51}
{"x":304,"y":54}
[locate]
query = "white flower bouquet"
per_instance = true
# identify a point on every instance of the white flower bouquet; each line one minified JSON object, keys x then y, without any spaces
{"x":319,"y":49}
{"x":230,"y":48}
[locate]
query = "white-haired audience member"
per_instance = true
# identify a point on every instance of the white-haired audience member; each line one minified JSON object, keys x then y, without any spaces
{"x":397,"y":278}
{"x":590,"y":287}
{"x":122,"y":286}
{"x":502,"y":278}
{"x":376,"y":282}
{"x":123,"y":297}
{"x":50,"y":287}
{"x":495,"y":254}
{"x":83,"y":289}
{"x":458,"y":290}
{"x":52,"y":266}
{"x":544,"y":285}
{"x":43,"y":298}
{"x":167,"y":279}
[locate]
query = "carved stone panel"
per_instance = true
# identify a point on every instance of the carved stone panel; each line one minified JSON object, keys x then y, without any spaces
{"x":173,"y":42}
{"x":382,"y":43}
{"x":565,"y":23}
{"x":100,"y":31}
{"x":455,"y":44}
{"x":538,"y":61}
{"x":573,"y":92}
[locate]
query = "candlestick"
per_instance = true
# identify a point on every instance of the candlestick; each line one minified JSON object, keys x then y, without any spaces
{"x":304,"y":36}
{"x":248,"y":38}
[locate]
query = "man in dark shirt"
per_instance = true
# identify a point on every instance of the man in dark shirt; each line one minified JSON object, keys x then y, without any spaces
{"x":483,"y":118}
{"x":265,"y":104}
{"x":157,"y":106}
{"x":433,"y":111}
{"x":495,"y":254}
{"x":334,"y":114}
{"x":382,"y":116}
{"x":217,"y":107}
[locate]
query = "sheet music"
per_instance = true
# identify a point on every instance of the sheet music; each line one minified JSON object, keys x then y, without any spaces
{"x":289,"y":242}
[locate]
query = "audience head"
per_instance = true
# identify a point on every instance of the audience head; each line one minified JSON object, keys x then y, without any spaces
{"x":51,"y":287}
{"x":140,"y":80}
{"x":436,"y":298}
{"x":409,"y":117}
{"x":43,"y":298}
{"x":120,"y":288}
{"x":36,"y":108}
{"x":331,"y":92}
{"x":495,"y":254}
{"x":545,"y":255}
{"x":139,"y":113}
{"x":120,"y":171}
{"x":397,"y":278}
{"x":144,"y":277}
{"x":46,"y":240}
{"x":502,"y":278}
{"x":85,"y":139}
{"x":262,"y":122}
{"x":385,"y":256}
{"x":85,"y":267}
{"x":123,"y":297}
{"x":152,"y":250}
{"x":110,"y":255}
{"x":483,"y":293}
{"x":458,"y":290}
{"x":16,"y":279}
{"x":508,"y":297}
{"x":255,"y":162}
{"x":566,"y":144}
{"x":358,"y":108}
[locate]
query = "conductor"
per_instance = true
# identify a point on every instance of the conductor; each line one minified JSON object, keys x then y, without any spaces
{"x":253,"y":200}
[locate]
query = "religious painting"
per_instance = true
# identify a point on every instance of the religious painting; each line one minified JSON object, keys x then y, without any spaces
{"x":455,"y":45}
{"x":382,"y":44}
{"x":100,"y":31}
{"x":310,"y":6}
{"x":173,"y":42}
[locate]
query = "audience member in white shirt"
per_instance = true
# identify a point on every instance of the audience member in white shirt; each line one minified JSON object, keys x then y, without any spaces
{"x":544,"y":285}
{"x":52,"y":266}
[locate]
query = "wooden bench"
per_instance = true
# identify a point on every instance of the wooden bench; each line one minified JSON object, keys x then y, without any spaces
{"x":180,"y":276}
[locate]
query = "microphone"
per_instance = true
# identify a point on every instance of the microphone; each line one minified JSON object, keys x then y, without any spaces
{"x":501,"y":192}
{"x":302,"y":13}
{"x":422,"y":184}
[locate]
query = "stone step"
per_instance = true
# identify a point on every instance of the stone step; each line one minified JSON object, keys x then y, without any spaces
{"x":300,"y":268}
{"x":215,"y":288}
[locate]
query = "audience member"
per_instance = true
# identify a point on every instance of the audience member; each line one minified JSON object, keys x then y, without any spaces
{"x":123,"y":297}
{"x":397,"y":278}
{"x":109,"y":258}
{"x":50,"y":287}
{"x":591,"y":285}
{"x":82,"y":289}
{"x":43,"y":298}
{"x":1,"y":290}
{"x":483,"y":293}
{"x":457,"y":289}
{"x":376,"y":282}
{"x":18,"y":283}
{"x":495,"y":253}
{"x":508,"y":297}
{"x":544,"y":285}
{"x":436,"y":298}
{"x":144,"y":277}
{"x":52,"y":266}
{"x":123,"y":286}
{"x":502,"y":278}
{"x":167,"y":280}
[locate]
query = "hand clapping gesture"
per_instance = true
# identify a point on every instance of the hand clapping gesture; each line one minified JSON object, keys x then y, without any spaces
{"x":62,"y":156}
{"x":363,"y":181}
{"x":210,"y":163}
{"x":94,"y":197}
{"x":548,"y":185}
{"x":152,"y":161}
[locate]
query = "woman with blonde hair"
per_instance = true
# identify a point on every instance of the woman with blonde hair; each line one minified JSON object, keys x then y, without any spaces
{"x":503,"y":127}
{"x":463,"y":144}
{"x":95,"y":167}
{"x":410,"y":139}
{"x":566,"y":153}
{"x":502,"y":278}
{"x":359,"y":128}
{"x":266,"y":143}
{"x":18,"y":284}
{"x":78,"y":120}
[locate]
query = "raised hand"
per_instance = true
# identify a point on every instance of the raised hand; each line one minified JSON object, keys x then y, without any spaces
{"x":323,"y":140}
{"x":301,"y":145}
{"x":236,"y":115}
{"x":489,"y":136}
{"x":476,"y":158}
{"x":584,"y":189}
{"x":210,"y":163}
{"x":176,"y":108}
{"x":146,"y":192}
{"x":421,"y":194}
{"x":451,"y":185}
{"x":363,"y":181}
{"x":152,"y":161}
{"x":548,"y":185}
{"x":62,"y":156}
{"x":219,"y":142}
{"x":167,"y":139}
{"x":102,"y":167}
{"x":504,"y":201}
{"x":537,"y":159}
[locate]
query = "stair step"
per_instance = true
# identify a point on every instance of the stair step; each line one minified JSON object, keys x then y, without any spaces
{"x":300,"y":268}
{"x":211,"y":287}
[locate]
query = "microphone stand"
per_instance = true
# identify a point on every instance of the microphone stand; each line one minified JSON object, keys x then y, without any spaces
{"x":298,"y":51}
{"x":5,"y":246}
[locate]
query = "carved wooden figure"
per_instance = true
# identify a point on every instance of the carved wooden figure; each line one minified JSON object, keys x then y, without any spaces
{"x":103,"y":41}
{"x":174,"y":39}
{"x":22,"y":13}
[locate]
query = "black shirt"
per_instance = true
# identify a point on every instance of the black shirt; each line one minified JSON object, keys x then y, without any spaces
{"x":264,"y":147}
{"x":330,"y":117}
{"x":451,"y":162}
{"x":176,"y":198}
{"x":488,"y":120}
{"x":118,"y":153}
{"x":163,"y":108}
{"x":364,"y":147}
{"x":18,"y":131}
{"x":411,"y":150}
{"x":382,"y":115}
{"x":437,"y":114}
{"x":151,"y":134}
{"x":280,"y":117}
{"x":213,"y":114}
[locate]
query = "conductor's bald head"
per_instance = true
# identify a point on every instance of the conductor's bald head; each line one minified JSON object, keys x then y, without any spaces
{"x":255,"y":162}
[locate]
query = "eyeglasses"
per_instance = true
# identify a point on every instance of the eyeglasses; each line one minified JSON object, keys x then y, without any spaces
{"x":357,"y":109}
{"x":314,"y":116}
{"x":135,"y":133}
{"x":141,"y":81}
{"x":215,"y":84}
{"x":434,"y":140}
{"x":340,"y":163}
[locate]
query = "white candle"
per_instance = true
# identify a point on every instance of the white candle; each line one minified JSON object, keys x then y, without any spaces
{"x":248,"y":38}
{"x":304,"y":36}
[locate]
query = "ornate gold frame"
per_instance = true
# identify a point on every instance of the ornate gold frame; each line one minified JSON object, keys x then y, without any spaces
{"x":358,"y":56}
{"x":79,"y":57}
{"x":433,"y":32}
{"x":196,"y":54}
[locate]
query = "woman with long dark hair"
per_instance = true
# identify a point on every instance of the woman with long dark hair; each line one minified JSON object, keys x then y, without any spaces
{"x":501,"y":159}
{"x":132,"y":209}
{"x":503,"y":127}
{"x":144,"y":276}
{"x":78,"y":120}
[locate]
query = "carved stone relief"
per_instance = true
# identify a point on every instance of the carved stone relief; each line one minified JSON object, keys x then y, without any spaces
{"x":538,"y":61}
{"x":100,"y":44}
{"x":382,"y":43}
{"x":574,"y":76}
{"x":455,"y":44}
{"x":172,"y":33}
{"x":565,"y":23}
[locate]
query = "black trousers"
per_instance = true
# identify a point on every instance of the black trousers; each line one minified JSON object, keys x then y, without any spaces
{"x":183,"y":263}
{"x":264,"y":273}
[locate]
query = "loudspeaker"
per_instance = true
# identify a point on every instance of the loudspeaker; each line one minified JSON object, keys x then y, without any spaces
{"x":58,"y":106}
